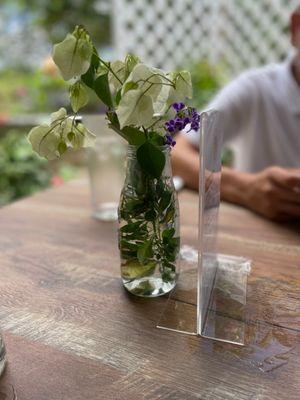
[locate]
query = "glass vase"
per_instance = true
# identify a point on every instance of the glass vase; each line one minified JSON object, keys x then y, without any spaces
{"x":2,"y":354}
{"x":149,"y":239}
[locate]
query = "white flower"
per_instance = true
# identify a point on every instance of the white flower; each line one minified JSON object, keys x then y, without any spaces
{"x":120,"y":71}
{"x":52,"y":140}
{"x":143,"y":96}
{"x":135,"y":108}
{"x":78,"y":96}
{"x":73,"y":54}
{"x":148,"y":93}
{"x":44,"y":143}
{"x":117,"y":76}
{"x":183,"y":86}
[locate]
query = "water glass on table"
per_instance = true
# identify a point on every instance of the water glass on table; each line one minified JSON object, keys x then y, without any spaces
{"x":106,"y":168}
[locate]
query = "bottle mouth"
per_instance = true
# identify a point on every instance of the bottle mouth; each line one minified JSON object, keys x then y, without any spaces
{"x":132,"y":149}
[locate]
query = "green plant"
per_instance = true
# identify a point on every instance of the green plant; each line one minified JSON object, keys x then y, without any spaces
{"x":29,"y":91}
{"x":148,"y":237}
{"x":207,"y":80}
{"x":22,"y":172}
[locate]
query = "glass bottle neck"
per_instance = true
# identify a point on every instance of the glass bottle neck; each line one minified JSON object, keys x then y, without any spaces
{"x":132,"y":163}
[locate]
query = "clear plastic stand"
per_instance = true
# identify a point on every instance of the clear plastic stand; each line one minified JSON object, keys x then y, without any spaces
{"x":2,"y":354}
{"x":210,"y":297}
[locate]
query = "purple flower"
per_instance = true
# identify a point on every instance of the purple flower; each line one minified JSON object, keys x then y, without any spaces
{"x":170,"y":141}
{"x":195,"y":126}
{"x":170,"y":126}
{"x":178,"y":106}
{"x":184,"y":116}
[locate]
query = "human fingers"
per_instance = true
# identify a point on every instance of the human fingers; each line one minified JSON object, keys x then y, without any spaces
{"x":290,"y":209}
{"x":288,"y":178}
{"x":288,"y":195}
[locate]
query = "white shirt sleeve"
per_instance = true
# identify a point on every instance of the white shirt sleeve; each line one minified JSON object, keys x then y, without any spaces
{"x":235,"y":101}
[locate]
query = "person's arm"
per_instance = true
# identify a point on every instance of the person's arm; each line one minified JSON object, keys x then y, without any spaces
{"x":273,"y":192}
{"x":185,"y":162}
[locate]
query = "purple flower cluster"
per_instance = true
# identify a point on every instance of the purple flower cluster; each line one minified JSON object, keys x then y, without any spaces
{"x":184,"y":116}
{"x":169,"y":140}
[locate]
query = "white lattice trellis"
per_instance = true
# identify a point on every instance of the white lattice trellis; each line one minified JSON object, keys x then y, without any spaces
{"x":168,"y":33}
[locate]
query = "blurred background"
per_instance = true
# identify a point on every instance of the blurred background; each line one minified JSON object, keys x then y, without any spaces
{"x":215,"y":40}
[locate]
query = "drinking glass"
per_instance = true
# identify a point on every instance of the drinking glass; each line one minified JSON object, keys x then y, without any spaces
{"x":106,"y":166}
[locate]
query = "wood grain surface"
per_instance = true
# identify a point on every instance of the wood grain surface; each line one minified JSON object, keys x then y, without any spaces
{"x":72,"y":332}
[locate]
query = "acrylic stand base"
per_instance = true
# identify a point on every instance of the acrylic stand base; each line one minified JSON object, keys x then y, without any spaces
{"x":2,"y":355}
{"x":224,"y":317}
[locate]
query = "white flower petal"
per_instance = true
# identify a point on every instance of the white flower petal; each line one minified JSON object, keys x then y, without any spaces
{"x":135,"y":108}
{"x":44,"y":141}
{"x":78,"y":96}
{"x":118,"y":68}
{"x":72,"y":56}
{"x":58,"y":115}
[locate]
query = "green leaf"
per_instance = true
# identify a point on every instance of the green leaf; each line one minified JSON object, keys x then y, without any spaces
{"x":168,"y":233}
{"x":125,"y":245}
{"x":134,"y":204}
{"x":165,"y":200}
{"x":118,"y":97}
{"x":169,"y":213}
{"x":151,"y":159}
{"x":102,"y":90}
{"x":156,"y":138}
{"x":145,"y":252}
{"x":89,"y":77}
{"x":131,"y":227}
{"x":134,"y":136}
{"x":133,"y":270}
{"x":150,"y":215}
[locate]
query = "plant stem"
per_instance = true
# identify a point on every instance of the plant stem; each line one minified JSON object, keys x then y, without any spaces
{"x":107,"y":65}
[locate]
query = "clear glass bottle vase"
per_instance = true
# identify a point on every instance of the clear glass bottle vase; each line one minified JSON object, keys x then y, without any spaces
{"x":149,"y":239}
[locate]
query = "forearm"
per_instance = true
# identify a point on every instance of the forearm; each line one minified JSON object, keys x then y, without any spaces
{"x":234,"y":186}
{"x":185,"y":162}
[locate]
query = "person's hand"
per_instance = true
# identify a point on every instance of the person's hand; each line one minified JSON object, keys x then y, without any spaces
{"x":274,"y":193}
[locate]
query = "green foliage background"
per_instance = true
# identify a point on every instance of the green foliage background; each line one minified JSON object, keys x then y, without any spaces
{"x":22,"y":171}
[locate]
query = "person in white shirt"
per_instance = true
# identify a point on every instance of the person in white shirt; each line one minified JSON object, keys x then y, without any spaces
{"x":261,"y":119}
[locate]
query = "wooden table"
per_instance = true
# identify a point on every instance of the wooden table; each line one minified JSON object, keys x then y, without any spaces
{"x":72,"y":332}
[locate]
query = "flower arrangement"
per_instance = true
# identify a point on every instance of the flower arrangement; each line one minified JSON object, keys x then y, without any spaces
{"x":145,"y":106}
{"x":142,"y":102}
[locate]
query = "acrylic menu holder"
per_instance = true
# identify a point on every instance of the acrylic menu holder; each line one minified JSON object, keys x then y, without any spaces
{"x":210,"y":296}
{"x":2,"y":354}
